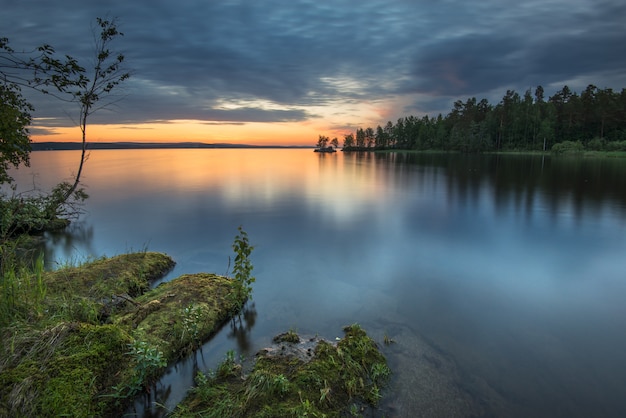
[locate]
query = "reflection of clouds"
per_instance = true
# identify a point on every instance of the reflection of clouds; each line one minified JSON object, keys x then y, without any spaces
{"x":479,"y":260}
{"x":320,"y":181}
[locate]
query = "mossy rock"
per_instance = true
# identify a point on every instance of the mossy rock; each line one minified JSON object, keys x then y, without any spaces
{"x":340,"y":379}
{"x":123,"y":274}
{"x":179,"y":315}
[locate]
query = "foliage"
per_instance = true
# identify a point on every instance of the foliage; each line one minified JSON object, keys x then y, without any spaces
{"x":242,"y":268}
{"x":322,"y":141}
{"x":36,"y":213}
{"x":63,"y":369}
{"x":57,"y":356}
{"x":148,"y":362}
{"x":568,"y":147}
{"x":22,"y":287}
{"x":616,"y":146}
{"x":191,"y":317}
{"x":65,"y":79}
{"x":85,"y":339}
{"x":108,"y":73}
{"x":595,"y":117}
{"x":14,"y":120}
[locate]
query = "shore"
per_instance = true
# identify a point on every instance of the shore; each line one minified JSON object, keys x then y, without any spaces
{"x":86,"y":340}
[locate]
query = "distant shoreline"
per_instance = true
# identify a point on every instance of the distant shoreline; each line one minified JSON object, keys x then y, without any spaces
{"x":71,"y":146}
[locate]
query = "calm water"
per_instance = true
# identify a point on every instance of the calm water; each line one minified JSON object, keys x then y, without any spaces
{"x":512,"y":270}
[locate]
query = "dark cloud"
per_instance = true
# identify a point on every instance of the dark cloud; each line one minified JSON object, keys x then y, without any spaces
{"x":243,"y":61}
{"x":467,"y":65}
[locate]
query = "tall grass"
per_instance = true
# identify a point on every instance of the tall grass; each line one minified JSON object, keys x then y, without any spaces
{"x":22,"y":287}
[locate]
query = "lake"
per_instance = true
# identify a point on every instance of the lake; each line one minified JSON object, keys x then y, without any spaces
{"x":501,"y":279}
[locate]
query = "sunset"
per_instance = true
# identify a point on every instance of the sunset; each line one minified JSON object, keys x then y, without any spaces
{"x":313,"y":208}
{"x":283,"y":73}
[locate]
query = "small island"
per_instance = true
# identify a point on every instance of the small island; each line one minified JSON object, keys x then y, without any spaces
{"x":323,"y":144}
{"x":326,"y":149}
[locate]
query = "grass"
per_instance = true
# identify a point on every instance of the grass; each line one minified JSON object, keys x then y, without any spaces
{"x":84,"y":340}
{"x":339,"y":380}
{"x":58,"y":354}
{"x":63,"y":370}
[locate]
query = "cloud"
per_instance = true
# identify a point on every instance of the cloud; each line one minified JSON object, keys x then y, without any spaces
{"x":188,"y":58}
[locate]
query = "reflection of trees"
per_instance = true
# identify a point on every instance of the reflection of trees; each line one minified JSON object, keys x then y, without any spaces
{"x":563,"y":183}
{"x":76,"y":235}
{"x":150,"y":404}
{"x":241,"y":326}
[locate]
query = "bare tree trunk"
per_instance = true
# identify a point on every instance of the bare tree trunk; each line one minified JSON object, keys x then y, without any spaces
{"x":83,"y":128}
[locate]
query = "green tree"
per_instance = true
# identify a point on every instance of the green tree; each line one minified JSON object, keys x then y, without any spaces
{"x":369,"y":137}
{"x":348,"y":140}
{"x":242,"y":268}
{"x":322,"y":141}
{"x":360,"y":138}
{"x":380,"y":138}
{"x":596,"y":118}
{"x":14,"y":136}
{"x":389,"y":133}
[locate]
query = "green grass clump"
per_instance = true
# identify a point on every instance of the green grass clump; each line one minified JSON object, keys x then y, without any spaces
{"x":337,"y":379}
{"x":65,"y":370}
{"x":58,"y":356}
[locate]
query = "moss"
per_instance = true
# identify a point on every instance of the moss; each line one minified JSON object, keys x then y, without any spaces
{"x":93,"y":291}
{"x":338,"y":380}
{"x":124,"y":274}
{"x":64,"y":361}
{"x":177,"y":316}
{"x":68,"y":372}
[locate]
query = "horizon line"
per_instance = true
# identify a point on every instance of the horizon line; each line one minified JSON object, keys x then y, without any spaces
{"x":74,"y":145}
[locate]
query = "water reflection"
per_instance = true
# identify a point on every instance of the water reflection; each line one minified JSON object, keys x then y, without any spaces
{"x":510,"y":267}
{"x":179,"y":377}
{"x":66,"y":243}
{"x":564,"y":183}
{"x":241,"y":327}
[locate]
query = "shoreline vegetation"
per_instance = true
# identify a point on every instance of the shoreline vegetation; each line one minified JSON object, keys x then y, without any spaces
{"x":87,"y":340}
{"x":72,"y":146}
{"x":567,"y":122}
{"x":572,"y":153}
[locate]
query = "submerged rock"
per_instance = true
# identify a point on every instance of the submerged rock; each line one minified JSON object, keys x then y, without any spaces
{"x":290,"y":344}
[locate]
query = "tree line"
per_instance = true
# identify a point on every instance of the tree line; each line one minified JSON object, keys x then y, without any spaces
{"x":595,"y":119}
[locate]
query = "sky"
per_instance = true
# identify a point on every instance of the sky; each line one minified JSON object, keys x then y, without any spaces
{"x":282,"y":72}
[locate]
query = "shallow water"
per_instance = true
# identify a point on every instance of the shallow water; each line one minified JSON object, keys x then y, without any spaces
{"x":501,"y":279}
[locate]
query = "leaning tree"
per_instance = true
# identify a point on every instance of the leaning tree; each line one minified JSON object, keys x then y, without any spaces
{"x":88,"y":88}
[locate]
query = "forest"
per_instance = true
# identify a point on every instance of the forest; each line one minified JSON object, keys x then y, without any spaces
{"x":595,"y":120}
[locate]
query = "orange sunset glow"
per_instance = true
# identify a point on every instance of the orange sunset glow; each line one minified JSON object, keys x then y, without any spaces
{"x":191,"y":131}
{"x":336,"y":122}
